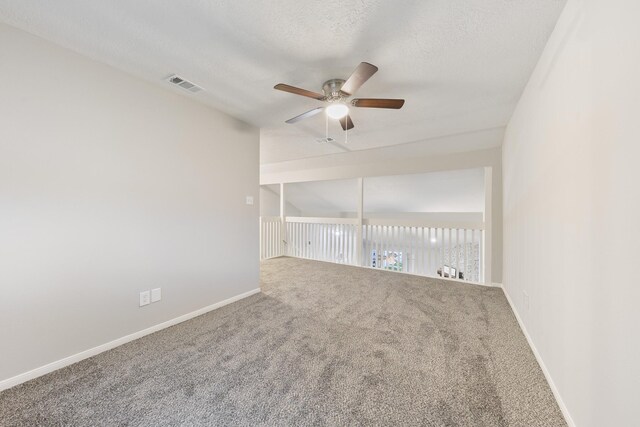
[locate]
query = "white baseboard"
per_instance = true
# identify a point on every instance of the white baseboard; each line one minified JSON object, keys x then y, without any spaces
{"x":53,"y":366}
{"x":545,"y":371}
{"x":489,"y":285}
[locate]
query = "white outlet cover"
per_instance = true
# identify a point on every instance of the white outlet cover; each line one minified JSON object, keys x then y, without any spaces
{"x":145,"y":298}
{"x":156,"y":294}
{"x":249,"y":200}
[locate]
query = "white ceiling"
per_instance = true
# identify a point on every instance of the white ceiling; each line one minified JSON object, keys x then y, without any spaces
{"x":460,"y":64}
{"x":451,"y":191}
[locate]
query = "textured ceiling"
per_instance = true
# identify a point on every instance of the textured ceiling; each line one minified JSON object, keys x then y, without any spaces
{"x":460,"y":64}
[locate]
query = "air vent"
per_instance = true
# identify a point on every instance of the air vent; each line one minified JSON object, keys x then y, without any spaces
{"x":184,"y":84}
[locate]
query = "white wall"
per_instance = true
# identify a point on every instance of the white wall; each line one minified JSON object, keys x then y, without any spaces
{"x":450,"y":191}
{"x":270,"y":203}
{"x":108,"y":186}
{"x":571,"y":210}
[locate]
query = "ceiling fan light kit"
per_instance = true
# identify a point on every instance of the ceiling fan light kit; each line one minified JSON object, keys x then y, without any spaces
{"x":337,"y":93}
{"x":337,"y":111}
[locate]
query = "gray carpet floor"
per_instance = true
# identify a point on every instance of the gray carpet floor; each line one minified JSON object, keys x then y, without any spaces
{"x":323,"y":344}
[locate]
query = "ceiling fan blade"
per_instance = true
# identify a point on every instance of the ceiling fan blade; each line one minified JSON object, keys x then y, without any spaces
{"x":378,"y":103}
{"x":298,"y":91}
{"x":346,"y":122}
{"x":361,"y":74}
{"x":306,"y":115}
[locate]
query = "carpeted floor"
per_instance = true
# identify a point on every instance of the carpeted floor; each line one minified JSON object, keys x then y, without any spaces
{"x":323,"y":344}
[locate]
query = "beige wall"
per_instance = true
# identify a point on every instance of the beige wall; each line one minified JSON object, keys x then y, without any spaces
{"x":571,"y":209}
{"x":108,"y":186}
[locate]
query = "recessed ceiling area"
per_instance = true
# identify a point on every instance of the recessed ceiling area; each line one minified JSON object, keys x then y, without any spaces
{"x":461,"y":65}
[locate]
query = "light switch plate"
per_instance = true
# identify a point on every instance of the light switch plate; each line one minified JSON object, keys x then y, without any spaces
{"x":156,"y":294}
{"x":145,"y":298}
{"x":249,"y":200}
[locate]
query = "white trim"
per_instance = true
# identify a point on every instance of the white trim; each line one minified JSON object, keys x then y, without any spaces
{"x":406,"y":222}
{"x":487,"y":250}
{"x":53,"y":366}
{"x":488,"y":285}
{"x":545,"y":371}
{"x":359,"y":242}
{"x":315,"y":220}
{"x":382,"y":161}
{"x":283,"y":222}
{"x":389,"y":222}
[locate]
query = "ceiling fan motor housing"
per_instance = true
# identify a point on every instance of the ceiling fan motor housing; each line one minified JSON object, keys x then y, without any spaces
{"x":337,"y":92}
{"x":331,"y":89}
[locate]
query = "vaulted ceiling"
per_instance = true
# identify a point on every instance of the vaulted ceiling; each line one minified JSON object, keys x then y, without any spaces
{"x":449,"y":191}
{"x":461,"y":65}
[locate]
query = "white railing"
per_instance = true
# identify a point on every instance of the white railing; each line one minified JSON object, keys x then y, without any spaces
{"x":449,"y":250}
{"x":434,"y":250}
{"x":271,"y":244}
{"x":322,"y":239}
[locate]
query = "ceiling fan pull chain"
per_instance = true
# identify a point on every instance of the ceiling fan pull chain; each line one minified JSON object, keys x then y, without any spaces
{"x":346,"y":135}
{"x":326,"y":127}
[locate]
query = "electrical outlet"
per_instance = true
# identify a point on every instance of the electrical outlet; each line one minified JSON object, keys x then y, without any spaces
{"x":145,"y":298}
{"x":249,"y":200}
{"x":525,"y":298}
{"x":156,"y":294}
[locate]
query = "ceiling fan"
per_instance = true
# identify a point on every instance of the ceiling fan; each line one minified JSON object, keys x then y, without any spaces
{"x":337,"y":93}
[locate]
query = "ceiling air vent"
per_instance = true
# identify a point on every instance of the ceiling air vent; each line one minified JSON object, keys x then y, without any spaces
{"x":184,"y":84}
